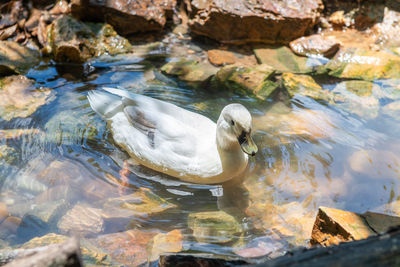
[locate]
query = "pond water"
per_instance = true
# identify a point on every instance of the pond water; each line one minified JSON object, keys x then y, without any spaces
{"x":311,"y":154}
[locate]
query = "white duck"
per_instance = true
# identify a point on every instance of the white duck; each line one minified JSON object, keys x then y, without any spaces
{"x":175,"y":141}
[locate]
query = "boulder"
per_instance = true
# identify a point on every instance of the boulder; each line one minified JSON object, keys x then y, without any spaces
{"x":214,"y":227}
{"x":127,"y":17}
{"x":355,"y":63}
{"x":15,"y":58}
{"x":247,"y":80}
{"x":282,"y":59}
{"x":305,"y":85}
{"x":316,"y":45}
{"x":20,"y":97}
{"x":238,"y":22}
{"x":74,"y":41}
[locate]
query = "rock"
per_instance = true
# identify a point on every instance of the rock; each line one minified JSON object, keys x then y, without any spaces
{"x":387,"y":26}
{"x":127,"y":17}
{"x":64,"y":254}
{"x":290,"y":220}
{"x":127,"y":248}
{"x":354,"y":63}
{"x":238,"y":22}
{"x":315,"y":45}
{"x":247,"y":80}
{"x":282,"y":59}
{"x":141,"y":203}
{"x":10,"y":134}
{"x":196,"y":260}
{"x":214,"y":227}
{"x":91,"y":254}
{"x":19,"y":97}
{"x":74,"y":41}
{"x":375,"y":164}
{"x":9,"y":227}
{"x":8,"y":154}
{"x":190,"y":71}
{"x":261,"y":247}
{"x":333,"y":226}
{"x":221,"y":57}
{"x":305,"y":85}
{"x":15,"y":58}
{"x":11,"y":12}
{"x":166,"y":242}
{"x":3,"y":212}
{"x":381,"y":223}
{"x":82,"y":220}
{"x":357,"y":97}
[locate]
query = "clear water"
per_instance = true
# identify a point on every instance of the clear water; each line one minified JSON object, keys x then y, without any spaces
{"x":309,"y":153}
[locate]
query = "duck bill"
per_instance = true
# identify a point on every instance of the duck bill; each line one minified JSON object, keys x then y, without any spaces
{"x":248,"y":146}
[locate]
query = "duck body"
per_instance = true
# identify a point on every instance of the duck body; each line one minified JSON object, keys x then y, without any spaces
{"x":167,"y":138}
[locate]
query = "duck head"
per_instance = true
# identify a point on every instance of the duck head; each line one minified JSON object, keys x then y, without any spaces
{"x":234,"y":128}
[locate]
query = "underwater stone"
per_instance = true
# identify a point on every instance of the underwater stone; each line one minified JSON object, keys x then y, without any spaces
{"x":170,"y":242}
{"x":15,"y":58}
{"x":20,"y":97}
{"x":214,"y":227}
{"x":247,"y":80}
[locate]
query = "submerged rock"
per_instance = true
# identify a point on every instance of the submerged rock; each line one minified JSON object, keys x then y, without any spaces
{"x":305,"y":85}
{"x":190,"y":71}
{"x":128,"y":248}
{"x":273,"y":22}
{"x":9,"y":134}
{"x":8,"y":154}
{"x":170,"y":242}
{"x":214,"y":227}
{"x":126,"y":16}
{"x":315,"y":45}
{"x":282,"y":59}
{"x":9,"y":227}
{"x":19,"y":97}
{"x":355,"y":63}
{"x":74,"y":41}
{"x":15,"y":58}
{"x":82,"y":220}
{"x":248,"y":80}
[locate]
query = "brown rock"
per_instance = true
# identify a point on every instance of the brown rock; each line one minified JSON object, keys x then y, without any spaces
{"x":221,"y":57}
{"x":315,"y":45}
{"x":333,"y":226}
{"x":237,"y":21}
{"x":11,"y":13}
{"x":15,"y":58}
{"x":82,"y":220}
{"x":169,"y":242}
{"x":128,"y":248}
{"x":126,"y":16}
{"x":3,"y":212}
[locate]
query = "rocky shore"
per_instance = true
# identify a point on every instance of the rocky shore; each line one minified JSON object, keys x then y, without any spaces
{"x":266,"y":50}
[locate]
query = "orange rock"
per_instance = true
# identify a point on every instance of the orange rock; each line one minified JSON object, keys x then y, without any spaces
{"x":221,"y":57}
{"x":169,"y":242}
{"x":333,"y":226}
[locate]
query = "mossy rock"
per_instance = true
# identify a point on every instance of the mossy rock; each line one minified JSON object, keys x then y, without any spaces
{"x":247,"y":80}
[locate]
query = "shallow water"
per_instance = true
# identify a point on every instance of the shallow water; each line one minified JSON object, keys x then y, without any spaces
{"x":310,"y":154}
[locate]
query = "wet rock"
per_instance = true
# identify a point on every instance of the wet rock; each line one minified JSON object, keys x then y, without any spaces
{"x":290,"y":220}
{"x":381,"y":223}
{"x":357,"y":97}
{"x":261,"y":247}
{"x":282,"y":59}
{"x":141,"y":203}
{"x":9,"y":227}
{"x":247,"y":80}
{"x":3,"y":212}
{"x":221,"y":57}
{"x":91,"y":254}
{"x":8,"y":154}
{"x":315,"y":45}
{"x":127,"y":248}
{"x":19,"y":97}
{"x":375,"y":164}
{"x":196,"y":260}
{"x":126,"y":16}
{"x":273,"y":22}
{"x":190,"y":71}
{"x":387,"y":26}
{"x":82,"y":220}
{"x":15,"y":58}
{"x":166,"y":242}
{"x":305,"y":85}
{"x":214,"y":227}
{"x":65,"y":254}
{"x":74,"y":41}
{"x":354,"y":63}
{"x":10,"y":134}
{"x":333,"y":226}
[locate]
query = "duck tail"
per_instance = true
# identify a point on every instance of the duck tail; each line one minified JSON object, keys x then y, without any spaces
{"x":105,"y":104}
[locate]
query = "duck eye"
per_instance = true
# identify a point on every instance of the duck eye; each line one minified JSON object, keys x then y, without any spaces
{"x":232,"y":122}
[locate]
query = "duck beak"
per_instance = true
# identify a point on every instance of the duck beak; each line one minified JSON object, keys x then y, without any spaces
{"x":247,"y":144}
